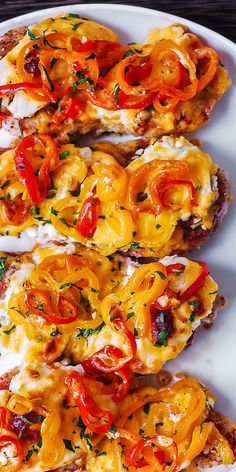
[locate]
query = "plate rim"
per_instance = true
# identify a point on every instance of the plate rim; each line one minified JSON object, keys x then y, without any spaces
{"x":103,"y":6}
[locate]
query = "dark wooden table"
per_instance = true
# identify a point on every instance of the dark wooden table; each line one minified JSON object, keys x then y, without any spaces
{"x":219,"y":15}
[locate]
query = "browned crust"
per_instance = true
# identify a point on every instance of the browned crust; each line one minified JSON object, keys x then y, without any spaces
{"x":10,"y":39}
{"x":195,"y":237}
{"x":226,"y":427}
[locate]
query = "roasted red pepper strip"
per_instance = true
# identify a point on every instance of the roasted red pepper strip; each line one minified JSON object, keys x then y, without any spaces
{"x":175,"y":269}
{"x":118,"y":100}
{"x":195,"y":286}
{"x":16,"y":210}
{"x":13,"y":88}
{"x":107,"y":53}
{"x":37,"y":185}
{"x":3,"y":416}
{"x":40,"y":304}
{"x":119,"y":388}
{"x":165,"y":186}
{"x":69,"y":108}
{"x":95,"y":365}
{"x":131,"y":456}
{"x":87,"y":219}
{"x":121,"y":326}
{"x":137,"y":73}
{"x":97,"y":420}
{"x":111,"y":353}
{"x":6,"y":440}
{"x":126,"y":102}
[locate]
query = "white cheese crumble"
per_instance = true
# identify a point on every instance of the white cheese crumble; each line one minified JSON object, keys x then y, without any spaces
{"x":23,"y":106}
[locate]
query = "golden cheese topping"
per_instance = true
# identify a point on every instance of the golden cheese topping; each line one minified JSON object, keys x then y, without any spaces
{"x":43,"y":415}
{"x":159,"y":427}
{"x":54,"y":270}
{"x":43,"y":419}
{"x":67,"y":302}
{"x":161,"y":323}
{"x":140,"y":207}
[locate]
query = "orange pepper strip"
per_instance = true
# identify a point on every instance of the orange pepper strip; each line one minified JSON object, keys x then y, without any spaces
{"x":213,"y":57}
{"x":166,"y":170}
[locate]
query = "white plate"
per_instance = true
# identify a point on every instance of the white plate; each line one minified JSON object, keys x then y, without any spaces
{"x":213,"y":355}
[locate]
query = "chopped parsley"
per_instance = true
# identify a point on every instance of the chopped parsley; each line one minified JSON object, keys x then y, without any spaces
{"x":192,"y":317}
{"x":46,"y":42}
{"x":92,"y":56}
{"x":53,"y":211}
{"x":48,"y":79}
{"x":141,"y":196}
{"x":135,"y":245}
{"x":53,"y":62}
{"x":150,"y":108}
{"x":83,"y":435}
{"x":130,"y":314}
{"x":198,"y":188}
{"x":5,"y":184}
{"x":161,"y":275}
{"x":63,"y":155}
{"x":194,"y":303}
{"x":100,"y":453}
{"x":113,"y":430}
{"x":69,"y":284}
{"x":146,"y":408}
{"x":34,"y":210}
{"x":68,"y":445}
{"x":82,"y":79}
{"x":94,"y":290}
{"x":32,"y":36}
{"x":8,"y":331}
{"x":85,"y":333}
{"x":55,"y":333}
{"x":2,"y":267}
{"x":28,"y":455}
{"x":76,"y":26}
{"x":74,"y":15}
{"x":116,"y":94}
{"x":163,"y":335}
{"x":128,"y":53}
{"x":75,"y":193}
{"x":157,"y":226}
{"x":135,"y":332}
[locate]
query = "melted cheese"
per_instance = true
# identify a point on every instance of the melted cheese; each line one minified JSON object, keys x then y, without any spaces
{"x":152,"y":357}
{"x":44,"y":388}
{"x":120,"y":226}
